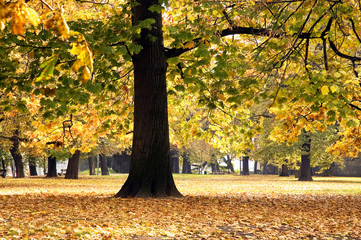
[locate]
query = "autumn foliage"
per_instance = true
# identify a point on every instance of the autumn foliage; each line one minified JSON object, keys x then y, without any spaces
{"x":214,"y":207}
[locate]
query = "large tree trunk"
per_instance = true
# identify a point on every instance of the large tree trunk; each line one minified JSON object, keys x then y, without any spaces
{"x":245,"y":161}
{"x":305,"y":170}
{"x":174,"y":160}
{"x":186,"y":167}
{"x":18,"y":159}
{"x":91,"y":165}
{"x":150,"y":171}
{"x":103,"y":164}
{"x":32,"y":167}
{"x":52,"y":167}
{"x":72,"y":171}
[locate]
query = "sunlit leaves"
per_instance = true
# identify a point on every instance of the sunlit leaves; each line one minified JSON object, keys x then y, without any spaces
{"x":84,"y":58}
{"x":20,"y":13}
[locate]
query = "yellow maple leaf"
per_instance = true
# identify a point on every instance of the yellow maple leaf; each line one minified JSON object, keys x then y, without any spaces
{"x":189,"y":45}
{"x":77,"y":64}
{"x":86,"y":75}
{"x":63,"y":27}
{"x":17,"y":25}
{"x":31,"y":15}
{"x":325,"y":90}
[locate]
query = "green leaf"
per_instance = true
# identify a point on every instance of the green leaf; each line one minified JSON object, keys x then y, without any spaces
{"x":48,"y":69}
{"x":155,"y":8}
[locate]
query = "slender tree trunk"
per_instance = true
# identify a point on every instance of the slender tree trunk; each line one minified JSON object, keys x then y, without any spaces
{"x":265,"y":168}
{"x":255,"y":167}
{"x":72,"y":171}
{"x":52,"y":167}
{"x":305,"y":170}
{"x":103,"y":164}
{"x":32,"y":167}
{"x":245,"y":170}
{"x":91,"y":165}
{"x":174,"y":160}
{"x":150,"y":172}
{"x":3,"y":169}
{"x":284,"y":171}
{"x":186,"y":168}
{"x":215,"y":167}
{"x":18,"y":159}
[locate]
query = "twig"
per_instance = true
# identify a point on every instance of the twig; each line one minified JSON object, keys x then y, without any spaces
{"x":47,"y":4}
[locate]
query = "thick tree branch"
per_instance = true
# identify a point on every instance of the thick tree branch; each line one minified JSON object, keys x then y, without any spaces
{"x":340,"y":54}
{"x":262,"y":32}
{"x":354,"y":106}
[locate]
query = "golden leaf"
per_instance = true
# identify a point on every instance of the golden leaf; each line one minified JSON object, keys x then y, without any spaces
{"x":325,"y":90}
{"x":17,"y":25}
{"x":31,"y":15}
{"x":2,"y":25}
{"x":76,"y":65}
{"x":86,"y":75}
{"x":84,"y":55}
{"x":50,"y":22}
{"x":72,"y":150}
{"x":189,"y":45}
{"x":63,"y":27}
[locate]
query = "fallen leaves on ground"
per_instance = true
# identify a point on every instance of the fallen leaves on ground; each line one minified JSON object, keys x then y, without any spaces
{"x":214,"y":207}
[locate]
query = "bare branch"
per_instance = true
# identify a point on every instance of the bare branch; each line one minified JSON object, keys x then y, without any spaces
{"x":47,"y":4}
{"x":340,"y":54}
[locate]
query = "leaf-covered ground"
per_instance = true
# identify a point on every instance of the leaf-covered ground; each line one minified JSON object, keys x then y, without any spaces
{"x":214,"y":207}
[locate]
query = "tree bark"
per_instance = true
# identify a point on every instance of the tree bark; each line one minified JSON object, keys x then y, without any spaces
{"x":91,"y":165}
{"x":284,"y":171}
{"x":255,"y":167}
{"x":265,"y":170}
{"x":174,"y":160}
{"x":32,"y":167}
{"x":305,"y":170}
{"x":52,"y":167}
{"x":18,"y":159}
{"x":72,"y":171}
{"x":245,"y":170}
{"x":186,"y":168}
{"x":150,"y":171}
{"x":103,"y":164}
{"x":3,"y":164}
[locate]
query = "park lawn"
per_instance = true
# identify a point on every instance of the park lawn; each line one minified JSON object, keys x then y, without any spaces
{"x":214,"y":207}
